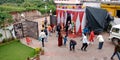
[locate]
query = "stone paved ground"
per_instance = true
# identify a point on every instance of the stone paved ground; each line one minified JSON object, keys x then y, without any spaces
{"x":53,"y":52}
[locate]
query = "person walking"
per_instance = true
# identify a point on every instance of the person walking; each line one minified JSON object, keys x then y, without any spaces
{"x":116,"y":51}
{"x":91,"y":37}
{"x":101,"y":41}
{"x":42,"y":35}
{"x":49,"y":30}
{"x":72,"y":44}
{"x":65,"y":40}
{"x":85,"y":43}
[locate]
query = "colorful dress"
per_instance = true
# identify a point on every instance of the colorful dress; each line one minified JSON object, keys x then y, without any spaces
{"x":60,"y":40}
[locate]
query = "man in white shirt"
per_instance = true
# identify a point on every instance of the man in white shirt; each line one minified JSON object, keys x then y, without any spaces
{"x":42,"y":35}
{"x":85,"y":43}
{"x":101,"y":41}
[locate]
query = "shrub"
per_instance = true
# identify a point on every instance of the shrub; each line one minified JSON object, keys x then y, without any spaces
{"x":42,"y":10}
{"x":37,"y":50}
{"x":42,"y":52}
{"x":1,"y":35}
{"x":9,"y":40}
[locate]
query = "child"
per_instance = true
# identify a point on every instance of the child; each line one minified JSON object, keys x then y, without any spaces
{"x":65,"y":40}
{"x":28,"y":40}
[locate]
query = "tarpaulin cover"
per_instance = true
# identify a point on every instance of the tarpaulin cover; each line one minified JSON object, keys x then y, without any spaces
{"x":97,"y":19}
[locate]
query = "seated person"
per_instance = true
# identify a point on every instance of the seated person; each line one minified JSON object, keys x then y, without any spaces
{"x":28,"y":40}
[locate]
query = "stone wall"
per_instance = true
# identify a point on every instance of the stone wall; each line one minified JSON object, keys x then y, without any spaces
{"x":8,"y":33}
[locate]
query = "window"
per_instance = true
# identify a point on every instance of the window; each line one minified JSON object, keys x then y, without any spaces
{"x":116,"y":30}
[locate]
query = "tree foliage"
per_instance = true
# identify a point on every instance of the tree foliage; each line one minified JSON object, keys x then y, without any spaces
{"x":23,"y":5}
{"x":11,"y":1}
{"x":7,"y":9}
{"x":5,"y":19}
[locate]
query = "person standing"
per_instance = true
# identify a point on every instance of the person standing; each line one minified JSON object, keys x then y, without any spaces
{"x":72,"y":45}
{"x":101,"y":41}
{"x":49,"y":30}
{"x":43,"y":26}
{"x":91,"y":37}
{"x":46,"y":33}
{"x":85,"y":43}
{"x":54,"y":28}
{"x":60,"y":39}
{"x":86,"y":30}
{"x":42,"y":35}
{"x":66,"y":29}
{"x":65,"y":40}
{"x":58,"y":29}
{"x":45,"y":22}
{"x":116,"y":51}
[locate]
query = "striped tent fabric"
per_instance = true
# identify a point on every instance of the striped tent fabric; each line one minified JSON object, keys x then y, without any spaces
{"x":77,"y":16}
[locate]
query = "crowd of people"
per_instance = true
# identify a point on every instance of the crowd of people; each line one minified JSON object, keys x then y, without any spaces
{"x":88,"y":36}
{"x":87,"y":39}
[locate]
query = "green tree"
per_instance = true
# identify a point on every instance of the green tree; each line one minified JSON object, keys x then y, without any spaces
{"x":27,"y":4}
{"x":11,"y":1}
{"x":24,"y":5}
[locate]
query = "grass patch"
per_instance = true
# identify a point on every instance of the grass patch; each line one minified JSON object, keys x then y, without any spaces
{"x":15,"y":51}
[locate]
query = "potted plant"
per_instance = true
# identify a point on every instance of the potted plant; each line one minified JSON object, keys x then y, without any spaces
{"x":37,"y":50}
{"x":38,"y":57}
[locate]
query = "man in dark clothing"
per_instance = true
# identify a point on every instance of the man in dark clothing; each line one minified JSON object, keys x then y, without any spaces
{"x":45,"y":30}
{"x":66,"y":29}
{"x":45,"y":21}
{"x":46,"y":33}
{"x":58,"y":29}
{"x":116,"y":51}
{"x":68,"y":19}
{"x":72,"y":45}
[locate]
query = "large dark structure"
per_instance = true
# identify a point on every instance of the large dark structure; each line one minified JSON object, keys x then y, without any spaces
{"x":97,"y":19}
{"x":26,"y":28}
{"x":53,"y":20}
